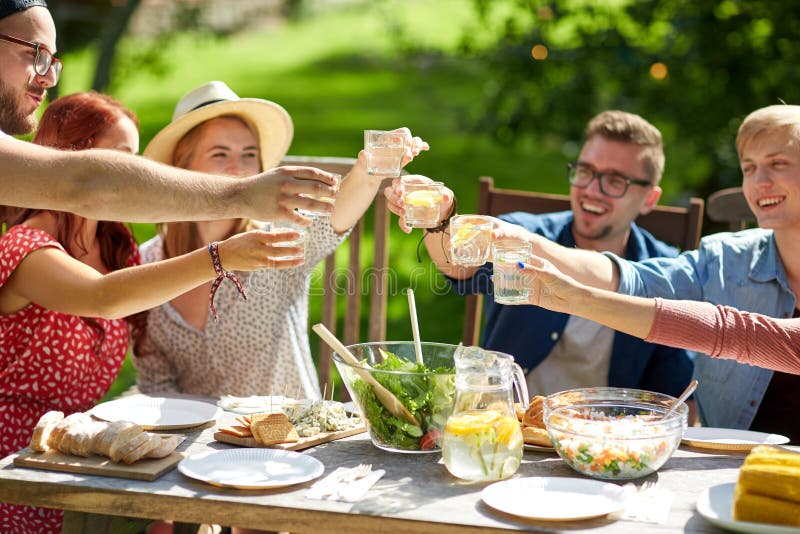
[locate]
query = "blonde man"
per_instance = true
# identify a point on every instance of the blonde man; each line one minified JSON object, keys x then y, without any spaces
{"x":754,"y":270}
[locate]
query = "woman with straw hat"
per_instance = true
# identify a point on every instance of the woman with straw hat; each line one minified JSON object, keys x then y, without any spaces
{"x":260,"y":346}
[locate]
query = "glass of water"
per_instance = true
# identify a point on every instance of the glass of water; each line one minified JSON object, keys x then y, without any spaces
{"x":300,"y":242}
{"x":423,"y":203}
{"x":329,"y":200}
{"x":470,"y":239}
{"x":511,"y":284}
{"x":384,"y":151}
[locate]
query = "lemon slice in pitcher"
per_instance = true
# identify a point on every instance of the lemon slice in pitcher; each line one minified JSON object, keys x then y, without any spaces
{"x":423,"y":199}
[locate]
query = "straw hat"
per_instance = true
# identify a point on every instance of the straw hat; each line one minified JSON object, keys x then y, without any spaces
{"x":214,"y":99}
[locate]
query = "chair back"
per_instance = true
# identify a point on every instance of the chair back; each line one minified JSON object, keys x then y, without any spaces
{"x":676,"y":226}
{"x":378,"y":272}
{"x":729,"y":206}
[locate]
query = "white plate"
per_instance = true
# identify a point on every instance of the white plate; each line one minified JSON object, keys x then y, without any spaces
{"x":729,"y":438}
{"x":252,"y":468}
{"x":716,"y":505}
{"x":554,"y":498}
{"x":255,"y":404}
{"x":157,"y":413}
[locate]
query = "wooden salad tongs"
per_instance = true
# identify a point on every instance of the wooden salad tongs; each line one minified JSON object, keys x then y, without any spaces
{"x":387,"y":398}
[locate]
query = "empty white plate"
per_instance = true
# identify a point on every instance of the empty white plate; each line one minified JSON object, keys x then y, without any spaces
{"x":716,"y":505}
{"x":729,"y":438}
{"x":554,"y":498}
{"x":157,"y":413}
{"x":252,"y":468}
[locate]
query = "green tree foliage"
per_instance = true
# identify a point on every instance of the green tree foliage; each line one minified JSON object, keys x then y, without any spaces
{"x":693,"y":67}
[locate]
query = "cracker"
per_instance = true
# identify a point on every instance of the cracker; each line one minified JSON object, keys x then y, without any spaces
{"x":271,"y":429}
{"x":236,"y":430}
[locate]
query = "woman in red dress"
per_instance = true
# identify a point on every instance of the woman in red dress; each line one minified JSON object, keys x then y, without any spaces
{"x":71,"y":289}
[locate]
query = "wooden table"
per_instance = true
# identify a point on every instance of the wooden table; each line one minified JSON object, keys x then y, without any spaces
{"x":416,"y":495}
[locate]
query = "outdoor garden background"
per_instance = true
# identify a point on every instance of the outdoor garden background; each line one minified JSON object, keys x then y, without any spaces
{"x":497,"y":87}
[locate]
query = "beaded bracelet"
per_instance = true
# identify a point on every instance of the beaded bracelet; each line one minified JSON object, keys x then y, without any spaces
{"x":222,"y":274}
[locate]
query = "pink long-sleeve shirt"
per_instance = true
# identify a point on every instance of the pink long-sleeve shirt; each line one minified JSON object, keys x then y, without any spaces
{"x":725,"y":332}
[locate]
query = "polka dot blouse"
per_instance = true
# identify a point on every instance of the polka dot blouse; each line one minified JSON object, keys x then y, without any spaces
{"x":257,"y":347}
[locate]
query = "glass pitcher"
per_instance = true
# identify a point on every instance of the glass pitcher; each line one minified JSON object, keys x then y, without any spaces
{"x":482,"y":439}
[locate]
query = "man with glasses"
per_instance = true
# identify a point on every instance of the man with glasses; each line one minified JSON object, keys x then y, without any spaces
{"x":614,"y":180}
{"x":111,"y":185}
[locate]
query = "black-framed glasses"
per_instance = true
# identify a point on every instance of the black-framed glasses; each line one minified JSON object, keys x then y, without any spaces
{"x":611,"y":184}
{"x":43,"y":60}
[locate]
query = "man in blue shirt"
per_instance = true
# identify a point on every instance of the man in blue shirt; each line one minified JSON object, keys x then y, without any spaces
{"x":614,"y":180}
{"x":754,"y":270}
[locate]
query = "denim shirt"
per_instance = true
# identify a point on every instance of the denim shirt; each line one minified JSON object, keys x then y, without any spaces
{"x":740,"y":269}
{"x":529,"y":333}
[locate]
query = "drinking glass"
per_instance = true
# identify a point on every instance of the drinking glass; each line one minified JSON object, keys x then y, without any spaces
{"x":423,"y":204}
{"x":385,"y":151}
{"x":300,"y":242}
{"x":329,"y":200}
{"x":470,"y":239}
{"x":511,"y":284}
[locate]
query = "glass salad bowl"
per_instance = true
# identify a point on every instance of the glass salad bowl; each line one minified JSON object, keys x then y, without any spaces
{"x":613,"y":433}
{"x":427,"y":392}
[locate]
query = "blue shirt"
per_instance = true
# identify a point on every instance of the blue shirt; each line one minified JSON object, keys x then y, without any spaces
{"x":740,"y":269}
{"x":529,"y":333}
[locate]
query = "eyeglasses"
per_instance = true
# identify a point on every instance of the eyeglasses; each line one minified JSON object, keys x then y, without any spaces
{"x":611,"y":184}
{"x":43,"y":60}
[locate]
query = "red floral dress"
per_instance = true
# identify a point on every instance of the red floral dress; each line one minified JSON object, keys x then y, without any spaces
{"x":48,"y":361}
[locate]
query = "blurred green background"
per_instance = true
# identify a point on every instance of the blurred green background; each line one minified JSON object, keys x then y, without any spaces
{"x":500,"y":88}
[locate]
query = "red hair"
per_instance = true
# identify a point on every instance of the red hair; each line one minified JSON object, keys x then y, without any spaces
{"x":75,"y":122}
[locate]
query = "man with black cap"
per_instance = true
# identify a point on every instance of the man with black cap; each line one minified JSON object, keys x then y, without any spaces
{"x":109,"y":185}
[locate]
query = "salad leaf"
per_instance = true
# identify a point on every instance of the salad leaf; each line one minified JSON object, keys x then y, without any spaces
{"x":428,"y":396}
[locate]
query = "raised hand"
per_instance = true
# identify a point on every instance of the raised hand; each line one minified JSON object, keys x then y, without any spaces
{"x":394,"y":198}
{"x":275,"y":194}
{"x":256,"y":250}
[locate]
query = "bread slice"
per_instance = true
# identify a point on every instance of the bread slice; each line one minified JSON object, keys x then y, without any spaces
{"x":78,"y":418}
{"x":142,"y":450}
{"x":534,"y":414}
{"x":43,"y":429}
{"x":763,"y":509}
{"x":77,"y":439}
{"x":123,"y":449}
{"x":164,"y":446}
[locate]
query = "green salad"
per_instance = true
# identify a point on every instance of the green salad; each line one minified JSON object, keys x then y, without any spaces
{"x":428,"y":396}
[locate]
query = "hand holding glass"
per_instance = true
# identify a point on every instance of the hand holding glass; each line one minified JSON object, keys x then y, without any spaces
{"x":300,"y":242}
{"x":470,"y":239}
{"x":384,"y":150}
{"x":423,"y":203}
{"x":511,"y":284}
{"x":329,"y":200}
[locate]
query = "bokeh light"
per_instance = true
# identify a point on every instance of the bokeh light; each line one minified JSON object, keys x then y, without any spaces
{"x":658,"y":71}
{"x":539,"y":52}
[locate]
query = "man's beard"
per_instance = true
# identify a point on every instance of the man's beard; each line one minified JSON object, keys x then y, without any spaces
{"x":601,"y":233}
{"x":12,"y":121}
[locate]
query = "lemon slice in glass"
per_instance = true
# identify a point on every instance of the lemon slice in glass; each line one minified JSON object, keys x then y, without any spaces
{"x":465,"y":234}
{"x":423,"y":199}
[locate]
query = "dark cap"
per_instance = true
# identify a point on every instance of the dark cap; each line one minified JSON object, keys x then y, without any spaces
{"x":9,"y":7}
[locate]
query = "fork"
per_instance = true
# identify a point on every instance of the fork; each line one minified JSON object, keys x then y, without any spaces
{"x":359,"y":471}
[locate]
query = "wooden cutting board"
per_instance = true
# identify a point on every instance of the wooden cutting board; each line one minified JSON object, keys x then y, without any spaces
{"x":148,"y":469}
{"x":302,"y":443}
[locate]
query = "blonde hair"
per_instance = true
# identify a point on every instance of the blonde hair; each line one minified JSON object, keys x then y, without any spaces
{"x":630,"y":128}
{"x":183,"y":237}
{"x":771,"y":118}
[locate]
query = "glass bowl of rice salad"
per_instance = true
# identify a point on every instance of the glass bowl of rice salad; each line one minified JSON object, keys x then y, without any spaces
{"x":613,"y":433}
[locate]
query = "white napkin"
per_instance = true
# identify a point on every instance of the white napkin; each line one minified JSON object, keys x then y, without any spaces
{"x":335,"y":487}
{"x":647,"y":504}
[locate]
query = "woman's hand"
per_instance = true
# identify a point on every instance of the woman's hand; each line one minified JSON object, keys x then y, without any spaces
{"x":394,"y":198}
{"x":256,"y":250}
{"x":550,"y":288}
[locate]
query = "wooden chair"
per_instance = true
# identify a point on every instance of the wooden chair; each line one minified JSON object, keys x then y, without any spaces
{"x":679,"y":227}
{"x":378,"y":274}
{"x":729,"y":206}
